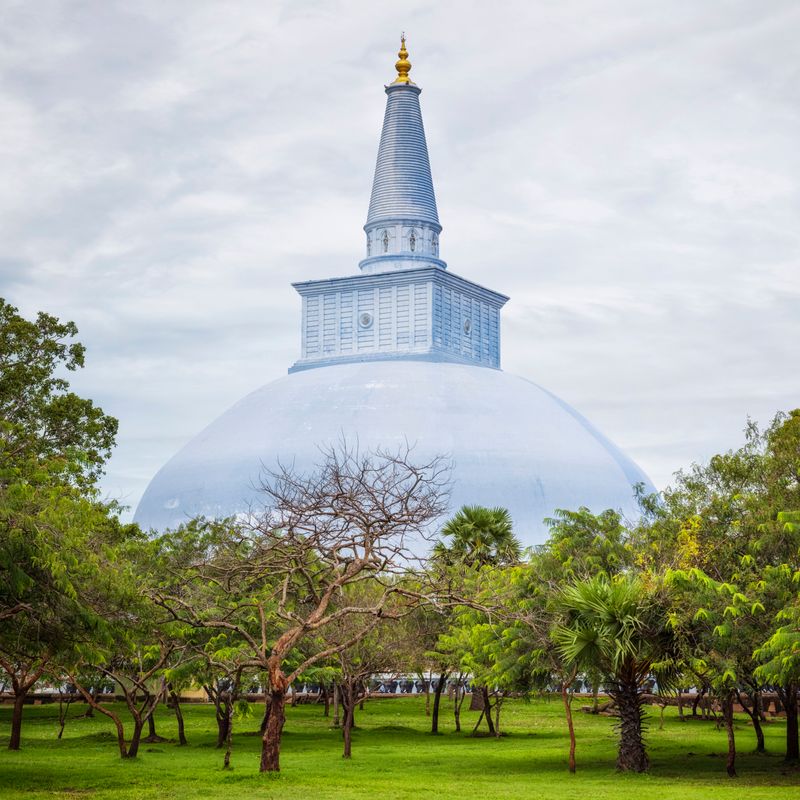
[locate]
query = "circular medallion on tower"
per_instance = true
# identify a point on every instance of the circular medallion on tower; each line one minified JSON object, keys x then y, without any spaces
{"x":467,"y":326}
{"x":365,"y":320}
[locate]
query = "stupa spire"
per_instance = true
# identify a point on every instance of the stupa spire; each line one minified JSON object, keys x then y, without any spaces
{"x":402,"y":222}
{"x":403,"y":66}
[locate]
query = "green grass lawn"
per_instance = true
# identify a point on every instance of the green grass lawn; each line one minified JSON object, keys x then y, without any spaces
{"x":393,"y":757}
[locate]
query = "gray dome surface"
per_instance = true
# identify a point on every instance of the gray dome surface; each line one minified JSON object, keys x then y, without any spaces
{"x":513,"y":444}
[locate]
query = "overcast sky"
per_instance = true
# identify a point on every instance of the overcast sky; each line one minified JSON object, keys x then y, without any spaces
{"x":626,"y":171}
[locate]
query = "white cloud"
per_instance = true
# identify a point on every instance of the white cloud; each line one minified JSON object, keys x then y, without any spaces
{"x":627,"y":172}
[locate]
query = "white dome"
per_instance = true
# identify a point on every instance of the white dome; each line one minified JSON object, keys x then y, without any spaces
{"x":513,"y":444}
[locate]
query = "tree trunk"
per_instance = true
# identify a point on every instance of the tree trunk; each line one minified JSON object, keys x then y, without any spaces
{"x":271,"y":741}
{"x":568,"y":711}
{"x":487,"y":707}
{"x":215,"y":695}
{"x":230,"y":706}
{"x":133,"y":749}
{"x":727,"y":715}
{"x":91,"y":699}
{"x":347,"y":727}
{"x":427,"y":685}
{"x":437,"y":696}
{"x":176,"y":702}
{"x":327,"y":698}
{"x":226,"y":762}
{"x":788,"y":696}
{"x":336,"y":690}
{"x":697,"y":698}
{"x":632,"y":756}
{"x":16,"y":719}
{"x":152,"y":735}
{"x":263,"y":727}
{"x":680,"y":706}
{"x":459,"y":701}
{"x":755,"y":718}
{"x":62,"y":713}
{"x":222,"y":724}
{"x":348,"y":716}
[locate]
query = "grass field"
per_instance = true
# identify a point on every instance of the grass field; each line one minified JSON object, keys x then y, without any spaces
{"x":393,"y":757}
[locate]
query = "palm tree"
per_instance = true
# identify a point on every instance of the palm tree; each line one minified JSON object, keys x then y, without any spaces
{"x":479,"y":536}
{"x":618,"y":626}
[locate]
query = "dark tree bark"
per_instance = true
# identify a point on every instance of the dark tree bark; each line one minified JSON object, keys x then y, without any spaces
{"x":271,"y":741}
{"x":16,"y":720}
{"x":632,"y":756}
{"x":220,"y":714}
{"x":336,"y":695}
{"x":427,"y":685}
{"x":133,"y":748}
{"x":152,"y":735}
{"x":348,"y":694}
{"x":176,"y":705}
{"x":140,"y":714}
{"x":498,"y":705}
{"x":63,"y":712}
{"x":487,"y":708}
{"x":23,"y":678}
{"x":755,"y":718}
{"x":459,"y":701}
{"x":326,"y":697}
{"x":230,"y":705}
{"x":697,"y":698}
{"x":437,"y":697}
{"x":568,"y":712}
{"x":263,"y":727}
{"x":788,"y":697}
{"x":727,"y":715}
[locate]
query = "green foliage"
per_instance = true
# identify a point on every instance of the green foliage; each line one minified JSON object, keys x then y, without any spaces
{"x":581,"y":544}
{"x":41,"y":421}
{"x":479,"y":536}
{"x":619,"y":627}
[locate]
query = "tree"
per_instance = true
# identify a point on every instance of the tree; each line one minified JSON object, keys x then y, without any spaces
{"x":275,"y":581}
{"x":716,"y":626}
{"x":479,"y":536}
{"x":40,"y":420}
{"x":57,"y":548}
{"x":52,"y":528}
{"x":619,"y":626}
{"x":727,"y":521}
{"x":380,"y":650}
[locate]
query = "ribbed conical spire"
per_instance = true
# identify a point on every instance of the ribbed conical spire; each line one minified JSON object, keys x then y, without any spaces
{"x":403,"y":187}
{"x":402,"y":221}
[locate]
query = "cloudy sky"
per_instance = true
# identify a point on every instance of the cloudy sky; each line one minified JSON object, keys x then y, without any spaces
{"x":626,"y":171}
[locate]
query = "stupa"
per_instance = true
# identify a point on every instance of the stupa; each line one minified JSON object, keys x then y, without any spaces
{"x":405,"y":351}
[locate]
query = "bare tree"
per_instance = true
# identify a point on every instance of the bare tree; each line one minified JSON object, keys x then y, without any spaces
{"x":279,"y":577}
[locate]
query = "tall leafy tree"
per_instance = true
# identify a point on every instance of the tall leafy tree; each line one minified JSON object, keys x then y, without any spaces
{"x":619,"y":627}
{"x":53,"y":529}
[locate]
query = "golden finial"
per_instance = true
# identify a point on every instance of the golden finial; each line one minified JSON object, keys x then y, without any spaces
{"x":403,"y":66}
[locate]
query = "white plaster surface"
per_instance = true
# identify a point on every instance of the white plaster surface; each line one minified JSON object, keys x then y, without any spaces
{"x":512,"y":443}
